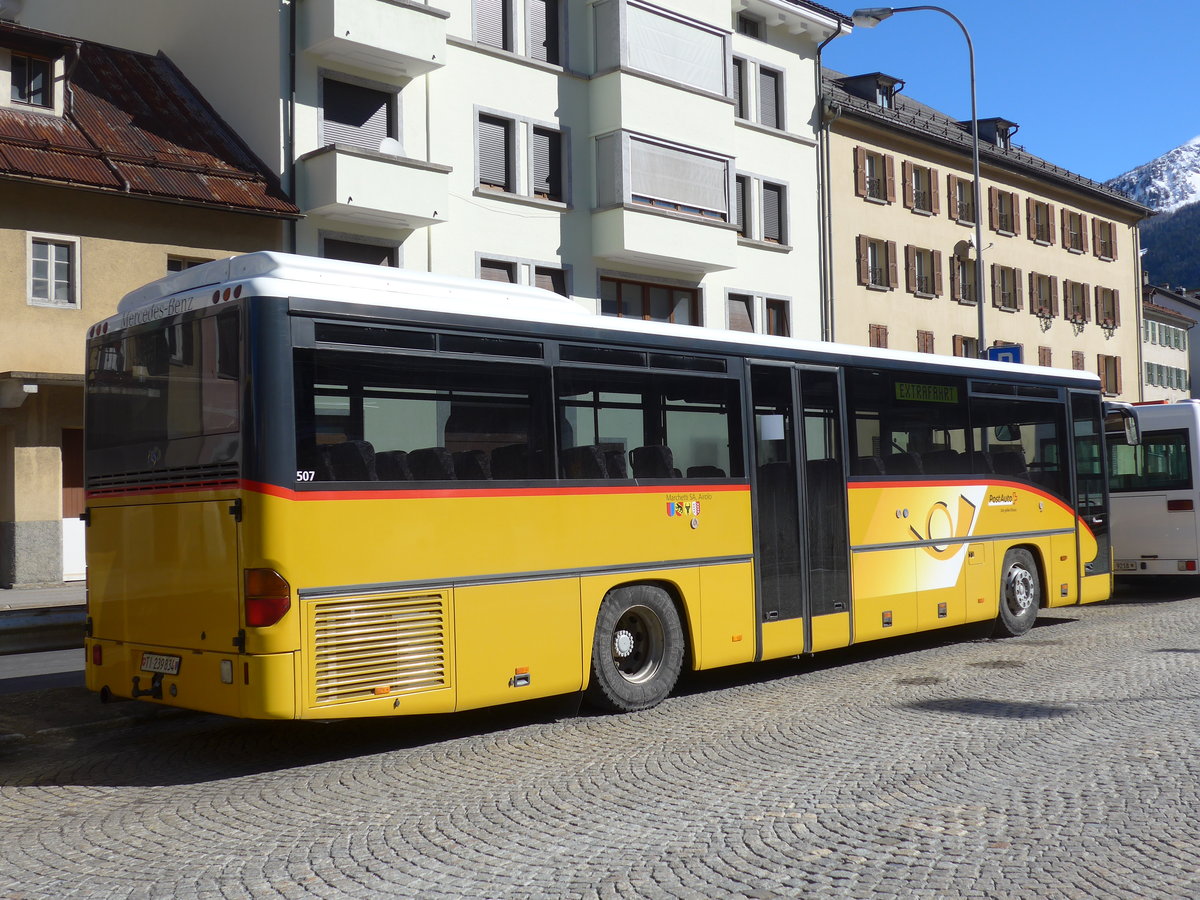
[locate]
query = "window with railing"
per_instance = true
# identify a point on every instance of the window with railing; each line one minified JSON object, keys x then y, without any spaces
{"x":1075,"y":301}
{"x":874,"y":175}
{"x":1108,"y":310}
{"x":962,"y":281}
{"x":1043,"y":295}
{"x":1006,"y":288}
{"x":1104,"y":236}
{"x":966,"y":346}
{"x":877,"y":263}
{"x":1003,"y":211}
{"x":961,"y":203}
{"x":1074,"y":231}
{"x":923,"y":271}
{"x":1041,"y":221}
{"x":920,"y":188}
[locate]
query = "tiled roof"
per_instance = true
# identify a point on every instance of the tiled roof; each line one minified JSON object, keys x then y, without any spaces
{"x":132,"y":124}
{"x":1162,"y":310}
{"x":926,"y":122}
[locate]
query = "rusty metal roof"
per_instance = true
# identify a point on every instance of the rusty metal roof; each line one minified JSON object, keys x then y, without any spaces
{"x":132,"y":124}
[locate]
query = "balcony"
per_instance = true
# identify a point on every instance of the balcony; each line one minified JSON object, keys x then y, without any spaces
{"x":391,"y":38}
{"x":635,"y":234}
{"x":363,"y":187}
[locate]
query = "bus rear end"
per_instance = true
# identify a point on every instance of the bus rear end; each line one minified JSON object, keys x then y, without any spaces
{"x":164,"y":443}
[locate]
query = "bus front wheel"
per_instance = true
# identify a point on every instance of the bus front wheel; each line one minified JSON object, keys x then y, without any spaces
{"x":1020,"y":594}
{"x":637,"y":651}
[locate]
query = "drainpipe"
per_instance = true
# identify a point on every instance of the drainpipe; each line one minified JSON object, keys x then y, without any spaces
{"x":289,"y":139}
{"x":824,"y":211}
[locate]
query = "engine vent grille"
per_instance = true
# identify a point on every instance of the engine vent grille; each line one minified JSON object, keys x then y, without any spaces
{"x":378,"y":645}
{"x":215,"y":476}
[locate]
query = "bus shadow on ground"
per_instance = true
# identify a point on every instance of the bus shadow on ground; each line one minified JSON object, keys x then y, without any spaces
{"x":1154,"y":589}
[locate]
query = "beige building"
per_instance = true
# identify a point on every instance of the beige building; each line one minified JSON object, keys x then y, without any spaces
{"x":113,"y":171}
{"x":1061,"y":276}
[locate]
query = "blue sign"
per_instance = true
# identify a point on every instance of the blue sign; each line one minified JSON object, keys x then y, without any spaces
{"x":1010,"y":354}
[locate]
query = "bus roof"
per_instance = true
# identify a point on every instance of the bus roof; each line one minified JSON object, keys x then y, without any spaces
{"x":275,"y":274}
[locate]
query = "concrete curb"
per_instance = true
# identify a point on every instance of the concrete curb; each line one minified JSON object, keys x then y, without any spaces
{"x":41,"y":629}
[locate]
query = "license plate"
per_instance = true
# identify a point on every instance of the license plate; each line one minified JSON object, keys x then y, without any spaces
{"x":158,"y":662}
{"x":1126,"y":565}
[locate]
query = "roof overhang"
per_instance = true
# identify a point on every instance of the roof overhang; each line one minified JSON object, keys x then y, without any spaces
{"x":15,"y":387}
{"x":797,"y":19}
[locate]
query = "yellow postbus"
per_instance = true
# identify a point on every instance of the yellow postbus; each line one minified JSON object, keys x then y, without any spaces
{"x":320,"y":489}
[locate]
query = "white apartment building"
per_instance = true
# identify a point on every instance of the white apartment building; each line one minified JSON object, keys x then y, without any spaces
{"x":649,"y":159}
{"x":1169,"y":355}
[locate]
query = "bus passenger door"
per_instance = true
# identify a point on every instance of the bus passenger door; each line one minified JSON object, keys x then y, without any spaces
{"x":1091,"y":499}
{"x":800,"y":501}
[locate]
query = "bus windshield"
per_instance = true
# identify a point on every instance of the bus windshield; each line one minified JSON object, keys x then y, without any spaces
{"x":1162,"y":462}
{"x":164,"y":382}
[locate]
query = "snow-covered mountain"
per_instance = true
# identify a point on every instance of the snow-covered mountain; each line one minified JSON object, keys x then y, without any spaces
{"x":1166,"y":183}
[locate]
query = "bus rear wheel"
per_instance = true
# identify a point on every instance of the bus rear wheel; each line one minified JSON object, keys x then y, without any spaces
{"x":1020,"y":594}
{"x":637,"y":651}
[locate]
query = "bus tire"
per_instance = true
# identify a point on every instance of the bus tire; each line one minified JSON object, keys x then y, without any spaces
{"x":1020,"y":594}
{"x":637,"y":651}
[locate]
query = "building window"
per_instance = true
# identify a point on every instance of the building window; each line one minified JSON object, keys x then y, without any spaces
{"x":1075,"y":301}
{"x":503,"y":141}
{"x":874,"y":175}
{"x":885,"y":94}
{"x":922,"y":271}
{"x":1043,"y":295}
{"x":551,"y":278}
{"x":920,"y":188}
{"x":774,"y":206}
{"x":749,"y":26}
{"x":53,"y":271}
{"x":741,"y":312}
{"x":494,"y":23}
{"x":661,"y":43}
{"x":740,"y":94}
{"x":1077,"y":360}
{"x":543,"y":30}
{"x":778,"y":318}
{"x":1044,"y":356}
{"x":31,"y":81}
{"x":770,"y":109}
{"x":356,"y":116}
{"x":1108,"y":307}
{"x":1104,"y":244}
{"x":1109,"y":370}
{"x":1040,"y":220}
{"x":498,"y":270}
{"x":653,"y":302}
{"x":962,"y":198}
{"x":966,"y":346}
{"x":360,"y":251}
{"x":1006,"y":288}
{"x":924,"y":341}
{"x":1164,"y":334}
{"x":547,"y":164}
{"x":1002,"y":209}
{"x":741,"y":207}
{"x":877,"y":335}
{"x":179,"y":263}
{"x":495,"y":153}
{"x":962,"y":281}
{"x":668,"y":177}
{"x":757,"y":93}
{"x":877,"y":262}
{"x":1074,"y":231}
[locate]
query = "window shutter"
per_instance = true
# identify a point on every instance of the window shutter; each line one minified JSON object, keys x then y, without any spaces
{"x":772,"y":195}
{"x":739,"y":109}
{"x":1116,"y":307}
{"x":1050,"y":222}
{"x":889,"y":178}
{"x":768,"y":98}
{"x":959,"y":345}
{"x":354,"y":115}
{"x":994,"y":208}
{"x":910,"y":269}
{"x":493,"y":152}
{"x":1035,"y":300}
{"x":1065,"y":228}
{"x":935,"y":204}
{"x":952,"y":195}
{"x":491,"y":23}
{"x":906,"y":172}
{"x":739,"y":185}
{"x":1112,"y":230}
{"x":1016,"y":213}
{"x":1083,"y":231}
{"x":955,"y":291}
{"x":937,"y":273}
{"x":495,"y":270}
{"x":1030,"y":219}
{"x":860,"y":172}
{"x":547,"y":164}
{"x":995,"y":285}
{"x":543,"y":30}
{"x":864,"y":260}
{"x":678,"y":176}
{"x":1102,"y":371}
{"x":1017,"y":288}
{"x":740,"y":317}
{"x":1086,"y":289}
{"x":893,"y":279}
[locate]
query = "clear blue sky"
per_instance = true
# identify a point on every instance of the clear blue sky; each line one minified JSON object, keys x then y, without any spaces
{"x":1097,"y":86}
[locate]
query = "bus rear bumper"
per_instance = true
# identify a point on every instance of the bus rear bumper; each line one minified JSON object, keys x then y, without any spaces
{"x":230,"y":684}
{"x":1124,"y":567}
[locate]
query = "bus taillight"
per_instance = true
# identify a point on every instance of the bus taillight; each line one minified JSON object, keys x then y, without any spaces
{"x":268,"y":597}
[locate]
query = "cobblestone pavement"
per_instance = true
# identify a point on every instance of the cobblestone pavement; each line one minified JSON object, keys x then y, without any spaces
{"x":1063,"y":764}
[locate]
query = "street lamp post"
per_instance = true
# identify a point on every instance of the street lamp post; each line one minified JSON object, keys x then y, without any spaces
{"x":869,"y":18}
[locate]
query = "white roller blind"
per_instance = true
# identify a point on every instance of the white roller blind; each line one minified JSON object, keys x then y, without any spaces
{"x":675,"y":50}
{"x":493,"y":152}
{"x":355,"y":115}
{"x":665,"y":173}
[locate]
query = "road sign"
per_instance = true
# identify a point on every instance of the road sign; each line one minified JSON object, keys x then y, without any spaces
{"x":1008,"y":354}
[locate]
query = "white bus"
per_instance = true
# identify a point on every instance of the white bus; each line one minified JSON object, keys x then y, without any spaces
{"x":1155,"y":507}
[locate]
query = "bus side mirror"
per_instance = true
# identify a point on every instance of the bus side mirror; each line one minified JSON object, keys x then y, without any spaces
{"x":1121,"y":423}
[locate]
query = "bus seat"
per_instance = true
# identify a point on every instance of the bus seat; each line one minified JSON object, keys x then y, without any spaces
{"x":614,"y":460}
{"x":705,"y":472}
{"x":511,"y":461}
{"x":472,"y":465}
{"x":653,"y":461}
{"x":583,"y":462}
{"x":1009,"y":462}
{"x":353,"y":461}
{"x":432,"y":464}
{"x":868,"y":465}
{"x":944,"y":462}
{"x":392,"y":465}
{"x":902,"y":463}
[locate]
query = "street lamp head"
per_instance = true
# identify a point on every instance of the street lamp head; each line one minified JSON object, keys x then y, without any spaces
{"x":869,"y":18}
